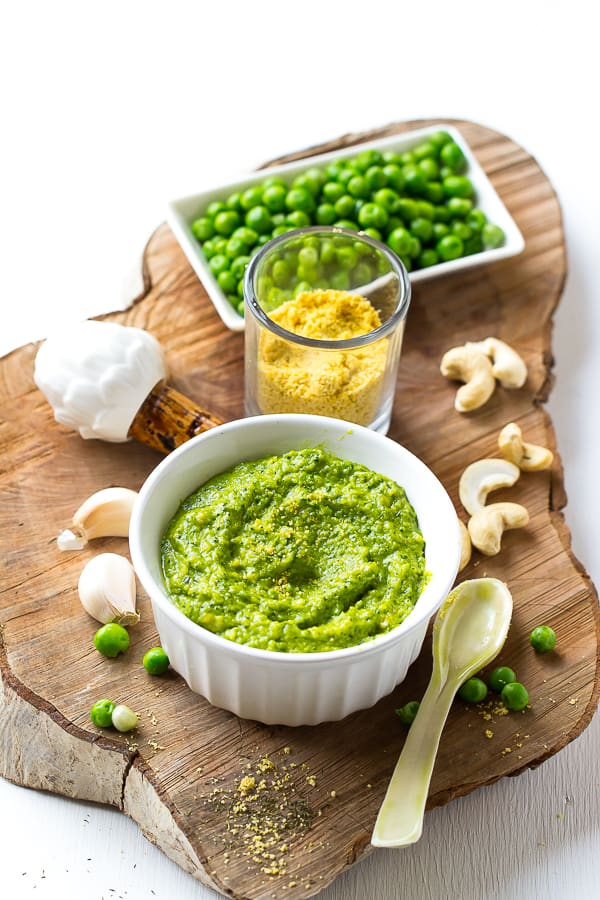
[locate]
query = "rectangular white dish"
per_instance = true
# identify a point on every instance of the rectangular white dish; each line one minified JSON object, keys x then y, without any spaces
{"x":183,"y":211}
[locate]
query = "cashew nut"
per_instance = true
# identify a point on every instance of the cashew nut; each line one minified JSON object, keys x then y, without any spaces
{"x":507,"y":365}
{"x":488,"y":524}
{"x":483,"y":476}
{"x":475,"y":369}
{"x":465,"y":545}
{"x":528,"y":457}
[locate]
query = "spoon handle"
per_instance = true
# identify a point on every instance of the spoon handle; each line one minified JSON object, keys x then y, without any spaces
{"x":400,"y":818}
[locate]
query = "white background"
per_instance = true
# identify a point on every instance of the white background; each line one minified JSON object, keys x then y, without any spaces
{"x":109,"y":110}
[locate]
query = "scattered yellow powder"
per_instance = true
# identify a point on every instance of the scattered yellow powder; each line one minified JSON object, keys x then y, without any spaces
{"x":247,"y":784}
{"x":345,"y":384}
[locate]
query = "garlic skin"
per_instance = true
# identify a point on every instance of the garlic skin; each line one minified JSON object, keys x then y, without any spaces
{"x":107,"y":589}
{"x":105,"y":513}
{"x":96,"y":375}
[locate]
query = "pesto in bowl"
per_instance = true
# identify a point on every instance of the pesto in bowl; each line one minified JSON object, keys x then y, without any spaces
{"x":297,"y":552}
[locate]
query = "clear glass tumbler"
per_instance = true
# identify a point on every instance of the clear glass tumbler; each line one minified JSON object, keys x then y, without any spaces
{"x":325,"y":314}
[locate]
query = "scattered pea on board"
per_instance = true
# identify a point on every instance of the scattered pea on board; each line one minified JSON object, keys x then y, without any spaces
{"x":419,"y":202}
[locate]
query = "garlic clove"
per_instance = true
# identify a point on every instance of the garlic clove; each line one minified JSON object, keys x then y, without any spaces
{"x":105,"y":513}
{"x":107,"y":589}
{"x":124,"y":718}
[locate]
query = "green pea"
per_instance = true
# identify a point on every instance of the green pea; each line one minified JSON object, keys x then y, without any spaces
{"x":425,"y":209}
{"x":226,"y":222}
{"x":281,"y":273}
{"x":394,"y":176}
{"x":333,"y":169}
{"x":450,"y":247}
{"x":430,"y":169}
{"x":387,"y":198}
{"x":462,"y":231}
{"x":325,"y":214}
{"x":345,"y":206}
{"x":408,"y":712}
{"x":372,"y":215}
{"x":425,"y":150}
{"x":361,"y":274}
{"x":452,"y":156}
{"x":227,"y":282}
{"x":327,"y":251}
{"x":259,"y":219}
{"x":375,"y":178}
{"x":240,"y":307}
{"x":155,"y":661}
{"x":238,"y":266}
{"x":415,"y":247}
{"x":298,"y":218}
{"x":514,"y":695}
{"x":501,"y":676}
{"x":428,"y":257}
{"x":270,"y":180}
{"x":434,"y":191}
{"x":458,"y":186}
{"x":367,"y":158}
{"x":399,"y":241}
{"x":220,"y":245}
{"x":308,"y":257}
{"x":438,"y":139}
{"x":345,"y":175}
{"x":203,"y":228}
{"x":340,"y":281}
{"x":274,"y":198}
{"x":218,"y":263}
{"x":393,"y":223}
{"x":474,"y":690}
{"x":459,"y":207}
{"x":111,"y":640}
{"x":373,"y":233}
{"x":235,"y":246}
{"x":415,"y":180}
{"x":439,"y":230}
{"x":492,"y":236}
{"x":407,"y":208}
{"x":332,"y":191}
{"x":422,"y":229}
{"x":476,"y":219}
{"x":358,"y":186}
{"x":234,"y":201}
{"x":543,"y":639}
{"x":390,"y":157}
{"x":474,"y":244}
{"x":248,"y":236}
{"x":252,"y":196}
{"x":215,"y":207}
{"x":346,"y":256}
{"x":208,"y":248}
{"x":309,"y":181}
{"x":441,"y":214}
{"x":101,"y":713}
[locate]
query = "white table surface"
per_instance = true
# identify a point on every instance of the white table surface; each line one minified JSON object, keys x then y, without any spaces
{"x":109,"y":111}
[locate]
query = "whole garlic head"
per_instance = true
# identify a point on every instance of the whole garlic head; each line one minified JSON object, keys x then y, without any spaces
{"x":96,"y":375}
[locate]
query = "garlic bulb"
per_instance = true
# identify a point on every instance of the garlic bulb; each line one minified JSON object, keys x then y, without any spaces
{"x":105,"y":514}
{"x":107,"y":589}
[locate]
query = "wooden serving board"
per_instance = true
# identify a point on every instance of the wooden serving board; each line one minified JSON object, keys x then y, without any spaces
{"x":178,"y":776}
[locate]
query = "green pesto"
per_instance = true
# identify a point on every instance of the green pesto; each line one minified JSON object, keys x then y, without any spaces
{"x":301,"y":552}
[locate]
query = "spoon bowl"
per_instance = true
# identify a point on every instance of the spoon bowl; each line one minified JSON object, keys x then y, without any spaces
{"x":469,"y":631}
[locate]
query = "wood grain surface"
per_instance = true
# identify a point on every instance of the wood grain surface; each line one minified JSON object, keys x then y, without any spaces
{"x":178,"y":776}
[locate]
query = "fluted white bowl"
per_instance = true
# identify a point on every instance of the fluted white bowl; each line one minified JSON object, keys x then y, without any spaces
{"x":291,"y":688}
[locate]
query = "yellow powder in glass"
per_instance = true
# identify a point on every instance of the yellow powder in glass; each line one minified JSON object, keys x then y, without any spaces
{"x":345,"y":384}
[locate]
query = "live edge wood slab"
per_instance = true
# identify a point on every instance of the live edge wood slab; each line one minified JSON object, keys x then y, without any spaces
{"x":178,"y":775}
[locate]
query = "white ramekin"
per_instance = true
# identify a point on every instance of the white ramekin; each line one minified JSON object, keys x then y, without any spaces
{"x":290,"y":688}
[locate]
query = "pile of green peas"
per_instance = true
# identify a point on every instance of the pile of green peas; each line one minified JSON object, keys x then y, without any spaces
{"x":420,"y":202}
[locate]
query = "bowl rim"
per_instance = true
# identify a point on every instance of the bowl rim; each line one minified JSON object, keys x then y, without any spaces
{"x":370,"y":337}
{"x":159,"y":596}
